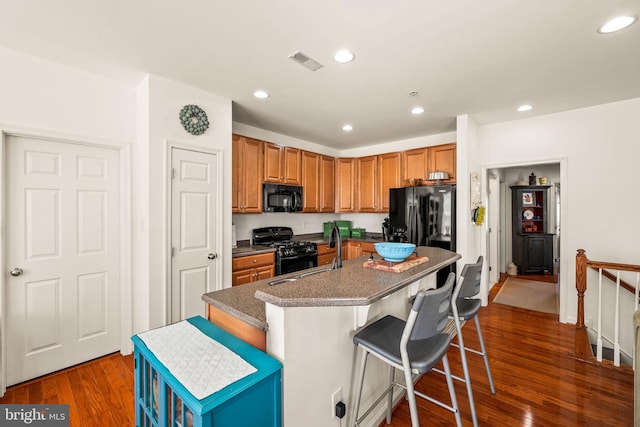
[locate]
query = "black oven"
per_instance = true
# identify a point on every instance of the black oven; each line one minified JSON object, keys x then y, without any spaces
{"x":289,"y":264}
{"x":291,"y":255}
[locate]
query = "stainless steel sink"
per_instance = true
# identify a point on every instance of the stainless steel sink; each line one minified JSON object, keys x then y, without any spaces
{"x":283,"y":280}
{"x":311,"y":273}
{"x":299,"y":276}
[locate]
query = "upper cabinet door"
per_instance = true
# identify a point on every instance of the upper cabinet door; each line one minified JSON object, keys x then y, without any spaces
{"x":443,"y":158}
{"x":368,"y":194}
{"x":291,"y":160}
{"x":273,"y":169}
{"x":310,"y":182}
{"x":415,"y":164}
{"x":345,"y":184}
{"x":246,"y":170}
{"x":282,"y":164}
{"x":327,"y":184}
{"x":389,"y":170}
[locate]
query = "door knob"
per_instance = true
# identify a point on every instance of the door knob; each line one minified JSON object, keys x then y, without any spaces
{"x":212,"y":256}
{"x":16,"y":272}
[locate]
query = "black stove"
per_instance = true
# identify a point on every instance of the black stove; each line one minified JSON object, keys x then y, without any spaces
{"x":291,"y":255}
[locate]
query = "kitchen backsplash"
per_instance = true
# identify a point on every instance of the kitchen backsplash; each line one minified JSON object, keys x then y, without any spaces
{"x":304,"y":223}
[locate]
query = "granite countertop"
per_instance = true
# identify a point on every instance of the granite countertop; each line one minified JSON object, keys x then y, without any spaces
{"x":248,"y":250}
{"x":352,"y":285}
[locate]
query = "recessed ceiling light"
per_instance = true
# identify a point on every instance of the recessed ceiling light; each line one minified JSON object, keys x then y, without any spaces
{"x":343,"y":56}
{"x":260,"y":94}
{"x":417,"y":110}
{"x":525,"y":107}
{"x":347,"y":128}
{"x":617,"y":24}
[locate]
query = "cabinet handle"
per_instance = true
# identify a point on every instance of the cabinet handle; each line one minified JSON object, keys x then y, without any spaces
{"x":255,"y":260}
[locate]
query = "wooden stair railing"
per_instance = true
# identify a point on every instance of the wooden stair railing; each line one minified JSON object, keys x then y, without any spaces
{"x":583,"y":347}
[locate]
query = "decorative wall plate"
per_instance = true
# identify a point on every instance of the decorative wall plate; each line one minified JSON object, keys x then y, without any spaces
{"x":194,"y":119}
{"x":527,"y":214}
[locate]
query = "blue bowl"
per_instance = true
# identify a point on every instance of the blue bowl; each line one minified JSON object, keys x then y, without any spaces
{"x":394,"y":252}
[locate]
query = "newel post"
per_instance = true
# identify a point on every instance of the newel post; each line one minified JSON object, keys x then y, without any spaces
{"x":582,"y":340}
{"x":581,"y":284}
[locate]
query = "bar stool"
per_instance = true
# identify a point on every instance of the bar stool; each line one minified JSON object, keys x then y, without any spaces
{"x":465,"y":306}
{"x":414,"y":346}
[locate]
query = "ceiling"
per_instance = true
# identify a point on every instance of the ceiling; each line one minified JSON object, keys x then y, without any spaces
{"x":482,"y":58}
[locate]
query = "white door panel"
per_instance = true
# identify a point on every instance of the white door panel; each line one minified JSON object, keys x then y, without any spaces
{"x":193,"y":219}
{"x":64,"y":233}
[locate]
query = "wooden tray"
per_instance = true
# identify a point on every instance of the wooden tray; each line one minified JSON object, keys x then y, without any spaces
{"x":396,"y":267}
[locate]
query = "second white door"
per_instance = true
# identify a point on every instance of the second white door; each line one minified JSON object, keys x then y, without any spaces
{"x":194,"y":219}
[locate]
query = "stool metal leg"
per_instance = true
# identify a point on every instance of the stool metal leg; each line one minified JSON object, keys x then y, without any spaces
{"x":484,"y":356}
{"x":390,"y":403}
{"x":411,"y":397}
{"x":452,"y":391}
{"x":363,"y":365}
{"x":467,"y":377}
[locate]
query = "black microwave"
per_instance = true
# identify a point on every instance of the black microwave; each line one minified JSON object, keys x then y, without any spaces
{"x":281,"y":198}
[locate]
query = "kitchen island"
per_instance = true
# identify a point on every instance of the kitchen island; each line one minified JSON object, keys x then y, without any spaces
{"x":309,"y":324}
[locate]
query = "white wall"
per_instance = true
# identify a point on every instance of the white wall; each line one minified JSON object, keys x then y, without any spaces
{"x":47,"y":97}
{"x":159,"y":114}
{"x":600,"y":148}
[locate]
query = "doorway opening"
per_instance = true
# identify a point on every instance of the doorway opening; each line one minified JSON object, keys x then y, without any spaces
{"x":501,"y":238}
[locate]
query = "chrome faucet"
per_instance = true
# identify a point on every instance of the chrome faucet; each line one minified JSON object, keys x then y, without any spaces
{"x":337,"y":261}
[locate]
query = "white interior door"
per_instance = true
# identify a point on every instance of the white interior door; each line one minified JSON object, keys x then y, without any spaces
{"x":193,"y":231}
{"x":63,"y":253}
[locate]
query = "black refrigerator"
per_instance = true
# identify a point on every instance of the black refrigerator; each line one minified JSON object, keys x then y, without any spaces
{"x":426,"y":216}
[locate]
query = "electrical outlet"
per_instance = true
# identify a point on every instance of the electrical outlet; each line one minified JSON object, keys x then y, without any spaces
{"x":335,"y":398}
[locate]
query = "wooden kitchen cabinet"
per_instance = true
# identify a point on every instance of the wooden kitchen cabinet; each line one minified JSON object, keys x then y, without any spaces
{"x":443,"y":158}
{"x":389,"y":176}
{"x":328,"y":184}
{"x":415,"y":164}
{"x":376,"y":175}
{"x":326,"y":254}
{"x":252,"y":268}
{"x":532,"y":244}
{"x":282,"y":164}
{"x":318,"y":182}
{"x":310,"y":182}
{"x":246,"y":172}
{"x":356,"y":249}
{"x":345,"y":184}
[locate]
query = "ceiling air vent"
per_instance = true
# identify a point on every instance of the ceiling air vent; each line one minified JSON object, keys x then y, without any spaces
{"x":305,"y":61}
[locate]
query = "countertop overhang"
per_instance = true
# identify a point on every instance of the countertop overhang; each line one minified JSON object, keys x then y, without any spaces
{"x":351,"y":285}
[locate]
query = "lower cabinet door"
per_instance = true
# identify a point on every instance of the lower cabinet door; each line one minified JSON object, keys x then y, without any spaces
{"x":540,"y":254}
{"x":242,"y":276}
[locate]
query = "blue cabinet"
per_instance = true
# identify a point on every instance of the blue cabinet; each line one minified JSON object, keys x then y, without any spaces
{"x":161,"y":400}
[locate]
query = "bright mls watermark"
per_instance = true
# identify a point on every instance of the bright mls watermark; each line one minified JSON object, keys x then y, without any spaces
{"x":34,"y":415}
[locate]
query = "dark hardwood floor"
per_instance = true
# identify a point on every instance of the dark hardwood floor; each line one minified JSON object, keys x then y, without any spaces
{"x":538,"y":382}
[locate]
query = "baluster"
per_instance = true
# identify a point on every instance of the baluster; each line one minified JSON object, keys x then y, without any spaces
{"x":599,"y":331}
{"x":616,"y":344}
